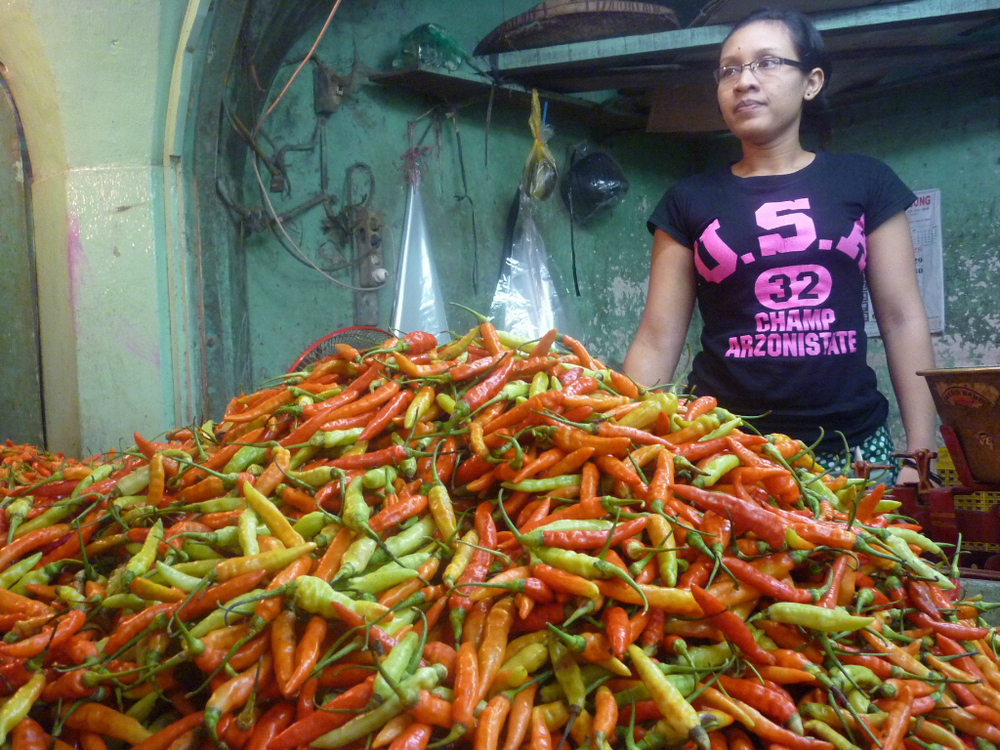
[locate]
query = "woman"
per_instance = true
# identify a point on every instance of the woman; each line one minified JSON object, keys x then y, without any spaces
{"x":775,"y":249}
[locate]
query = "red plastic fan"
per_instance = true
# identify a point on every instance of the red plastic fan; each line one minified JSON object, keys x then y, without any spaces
{"x":360,"y":337}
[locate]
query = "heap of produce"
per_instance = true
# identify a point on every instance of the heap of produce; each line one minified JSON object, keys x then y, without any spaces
{"x":489,"y":544}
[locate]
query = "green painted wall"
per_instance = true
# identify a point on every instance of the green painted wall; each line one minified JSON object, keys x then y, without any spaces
{"x":945,"y":135}
{"x":290,"y":305}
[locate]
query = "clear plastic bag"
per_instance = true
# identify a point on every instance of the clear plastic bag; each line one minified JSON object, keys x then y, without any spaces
{"x":540,"y":174}
{"x":429,"y":45}
{"x":527,"y":301}
{"x":419,"y":305}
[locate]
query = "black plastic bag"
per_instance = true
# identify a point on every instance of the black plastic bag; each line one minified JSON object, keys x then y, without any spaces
{"x":593,"y":184}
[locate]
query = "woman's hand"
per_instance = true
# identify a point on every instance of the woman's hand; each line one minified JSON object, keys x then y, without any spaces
{"x":902,"y":321}
{"x":656,"y":349}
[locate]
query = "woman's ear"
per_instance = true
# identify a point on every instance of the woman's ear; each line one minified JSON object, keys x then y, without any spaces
{"x":814,"y":83}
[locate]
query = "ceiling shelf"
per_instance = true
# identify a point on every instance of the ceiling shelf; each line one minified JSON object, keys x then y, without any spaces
{"x":666,"y":80}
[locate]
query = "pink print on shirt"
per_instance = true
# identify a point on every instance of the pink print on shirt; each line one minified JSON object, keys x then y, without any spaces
{"x":797,"y":325}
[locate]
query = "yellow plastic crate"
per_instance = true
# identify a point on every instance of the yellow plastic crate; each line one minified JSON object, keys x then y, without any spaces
{"x":946,"y":468}
{"x":977,"y":500}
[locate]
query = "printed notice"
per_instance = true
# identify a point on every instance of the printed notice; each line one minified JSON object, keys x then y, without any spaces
{"x":925,"y":228}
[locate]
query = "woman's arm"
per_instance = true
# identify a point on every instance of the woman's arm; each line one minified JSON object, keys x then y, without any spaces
{"x":892,"y":280}
{"x":656,"y":349}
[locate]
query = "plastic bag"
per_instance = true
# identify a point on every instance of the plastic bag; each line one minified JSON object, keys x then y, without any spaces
{"x":419,"y":305}
{"x":527,"y":302}
{"x":540,"y":174}
{"x":429,"y":45}
{"x":593,"y":184}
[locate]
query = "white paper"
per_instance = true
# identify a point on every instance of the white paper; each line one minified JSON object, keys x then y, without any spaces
{"x":925,"y":229}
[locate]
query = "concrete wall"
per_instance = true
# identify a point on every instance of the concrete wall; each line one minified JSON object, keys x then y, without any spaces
{"x":91,"y":80}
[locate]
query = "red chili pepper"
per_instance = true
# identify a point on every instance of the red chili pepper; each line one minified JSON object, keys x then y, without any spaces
{"x":306,"y":430}
{"x":487,"y":388}
{"x":391,"y":456}
{"x":746,"y":517}
{"x":772,"y":703}
{"x":954,"y":630}
{"x":432,"y":709}
{"x":837,"y":573}
{"x":733,"y":627}
{"x":591,"y":538}
{"x":270,"y":725}
{"x":391,"y":409}
{"x":399,"y":511}
{"x":616,"y":620}
{"x":778,"y":590}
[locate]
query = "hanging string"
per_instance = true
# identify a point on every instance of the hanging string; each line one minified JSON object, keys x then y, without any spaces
{"x":572,"y":243}
{"x":465,"y":196}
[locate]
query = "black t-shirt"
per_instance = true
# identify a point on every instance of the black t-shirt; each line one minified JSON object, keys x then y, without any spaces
{"x":780,"y":266}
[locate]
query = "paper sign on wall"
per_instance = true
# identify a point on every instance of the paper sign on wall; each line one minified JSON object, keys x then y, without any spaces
{"x":925,"y":228}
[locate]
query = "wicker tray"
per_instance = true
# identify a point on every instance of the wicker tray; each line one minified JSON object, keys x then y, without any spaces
{"x":565,"y":21}
{"x":968,"y":401}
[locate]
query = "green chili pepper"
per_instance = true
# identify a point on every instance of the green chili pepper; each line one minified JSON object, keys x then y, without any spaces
{"x":389,"y":574}
{"x":831,"y":735}
{"x":42,"y":576}
{"x":196,"y":568}
{"x":356,"y":510}
{"x":378,"y":478}
{"x":407,"y":541}
{"x":227,"y":614}
{"x":543,"y":485}
{"x":15,"y":572}
{"x":174,"y":577}
{"x":393,"y":668}
{"x":899,"y":545}
{"x":315,"y":477}
{"x":16,"y":513}
{"x":716,"y":469}
{"x":568,"y":675}
{"x":124,"y":601}
{"x":911,"y":536}
{"x":244,"y":458}
{"x":217,"y":504}
{"x":367,"y":723}
{"x":539,"y":384}
{"x":316,"y":596}
{"x":834,"y":620}
{"x":312,"y":524}
{"x":134,"y":482}
{"x":335,"y":438}
{"x":18,"y":705}
{"x":355,"y":558}
{"x":246,"y":528}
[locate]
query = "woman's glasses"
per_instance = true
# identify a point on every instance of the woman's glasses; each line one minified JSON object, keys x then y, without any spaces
{"x":762,"y":68}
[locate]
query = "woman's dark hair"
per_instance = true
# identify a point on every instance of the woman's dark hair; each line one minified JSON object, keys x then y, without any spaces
{"x":811,"y":51}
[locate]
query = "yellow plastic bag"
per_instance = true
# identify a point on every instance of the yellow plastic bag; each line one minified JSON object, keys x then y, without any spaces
{"x":539,"y":177}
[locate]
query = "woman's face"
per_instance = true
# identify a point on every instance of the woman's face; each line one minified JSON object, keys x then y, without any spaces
{"x":763,"y":107}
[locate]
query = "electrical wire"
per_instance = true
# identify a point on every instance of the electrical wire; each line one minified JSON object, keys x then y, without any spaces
{"x":298,"y":253}
{"x":306,"y":59}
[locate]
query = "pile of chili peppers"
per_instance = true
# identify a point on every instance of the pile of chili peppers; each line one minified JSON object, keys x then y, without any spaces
{"x":487,"y":543}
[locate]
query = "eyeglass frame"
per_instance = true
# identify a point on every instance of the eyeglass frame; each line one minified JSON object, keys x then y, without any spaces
{"x":754,"y":65}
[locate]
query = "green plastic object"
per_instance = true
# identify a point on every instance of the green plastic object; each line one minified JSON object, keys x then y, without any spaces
{"x":429,"y":45}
